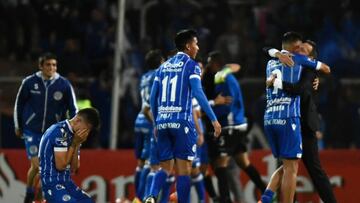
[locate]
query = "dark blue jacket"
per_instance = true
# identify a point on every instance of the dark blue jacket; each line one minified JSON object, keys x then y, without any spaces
{"x":37,"y":107}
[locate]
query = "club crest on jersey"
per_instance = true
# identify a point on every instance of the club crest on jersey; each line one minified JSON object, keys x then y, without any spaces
{"x":58,"y":95}
{"x":36,"y":86}
{"x":186,"y":130}
{"x":66,"y":198}
{"x":293,"y":126}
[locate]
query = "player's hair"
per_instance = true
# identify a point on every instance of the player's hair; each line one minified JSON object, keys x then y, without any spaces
{"x":183,"y":37}
{"x":46,"y":56}
{"x":217,"y":56}
{"x":91,"y":116}
{"x":291,"y":37}
{"x":313,"y":52}
{"x":153,"y":59}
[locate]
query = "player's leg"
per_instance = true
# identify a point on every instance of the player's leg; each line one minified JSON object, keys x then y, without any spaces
{"x":154,"y":165}
{"x":165,"y":190}
{"x":139,"y":144}
{"x":205,"y":155}
{"x":311,"y":161}
{"x":77,"y":193}
{"x":273,"y":185}
{"x":290,"y":150}
{"x":242,"y":159}
{"x":288,"y":183}
{"x":197,"y":178}
{"x":166,"y":157}
{"x":234,"y":181}
{"x":275,"y":181}
{"x":185,"y":151}
{"x":32,"y":141}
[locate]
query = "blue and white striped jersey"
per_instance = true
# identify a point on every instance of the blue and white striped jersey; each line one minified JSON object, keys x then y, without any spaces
{"x":56,"y":138}
{"x":279,"y":103}
{"x":146,"y":83}
{"x":174,"y":99}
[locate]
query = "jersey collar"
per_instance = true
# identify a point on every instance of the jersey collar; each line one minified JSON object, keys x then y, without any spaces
{"x":180,"y":52}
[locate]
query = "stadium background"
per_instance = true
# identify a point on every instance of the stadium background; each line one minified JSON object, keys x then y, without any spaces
{"x":82,"y":35}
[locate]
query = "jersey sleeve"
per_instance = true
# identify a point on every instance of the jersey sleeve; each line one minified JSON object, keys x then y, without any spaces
{"x":307,"y":62}
{"x":154,"y":94}
{"x":60,"y":141}
{"x":195,"y":70}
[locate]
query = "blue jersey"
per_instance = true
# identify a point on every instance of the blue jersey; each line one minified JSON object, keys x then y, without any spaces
{"x":232,"y":114}
{"x":174,"y":90}
{"x":146,"y":83}
{"x":57,"y":138}
{"x":281,"y":104}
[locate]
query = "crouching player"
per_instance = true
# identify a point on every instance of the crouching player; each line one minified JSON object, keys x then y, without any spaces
{"x":59,"y":156}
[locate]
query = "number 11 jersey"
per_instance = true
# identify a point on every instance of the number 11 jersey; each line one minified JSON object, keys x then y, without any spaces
{"x":175,"y":95}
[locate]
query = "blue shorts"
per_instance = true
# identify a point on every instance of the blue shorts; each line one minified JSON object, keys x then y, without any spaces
{"x":154,"y":155}
{"x":284,"y":136}
{"x":65,"y":193}
{"x":143,"y":132}
{"x":176,"y":140}
{"x":32,"y":142}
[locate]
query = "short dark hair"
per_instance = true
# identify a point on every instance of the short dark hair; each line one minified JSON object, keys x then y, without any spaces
{"x":217,"y":56}
{"x":153,"y":59}
{"x":183,"y":37}
{"x":91,"y":116}
{"x":313,"y":52}
{"x":291,"y":37}
{"x":46,"y":56}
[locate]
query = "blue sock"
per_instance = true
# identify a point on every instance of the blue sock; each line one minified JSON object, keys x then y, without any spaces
{"x":142,"y":182}
{"x":166,"y":189}
{"x":137,"y":179}
{"x":158,"y":182}
{"x":267,"y":196}
{"x":149,"y":180}
{"x":198,"y":182}
{"x":183,"y":184}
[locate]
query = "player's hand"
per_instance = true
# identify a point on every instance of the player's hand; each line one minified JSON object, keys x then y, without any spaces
{"x":270,"y":80}
{"x":217,"y":128}
{"x":221,"y":100}
{"x":200,"y":140}
{"x":285,"y":59}
{"x":18,"y":133}
{"x":80,"y":136}
{"x":316,"y":83}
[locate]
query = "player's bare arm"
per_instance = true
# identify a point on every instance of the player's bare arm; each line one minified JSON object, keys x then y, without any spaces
{"x":147,"y":112}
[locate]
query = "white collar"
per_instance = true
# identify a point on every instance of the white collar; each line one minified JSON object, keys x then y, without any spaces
{"x":180,"y":52}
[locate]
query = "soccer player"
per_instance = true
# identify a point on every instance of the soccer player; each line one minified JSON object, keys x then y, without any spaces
{"x":143,"y":123}
{"x":282,"y":118}
{"x":232,"y":141}
{"x":310,"y":122}
{"x":59,"y":156}
{"x":176,"y":82}
{"x":43,"y":99}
